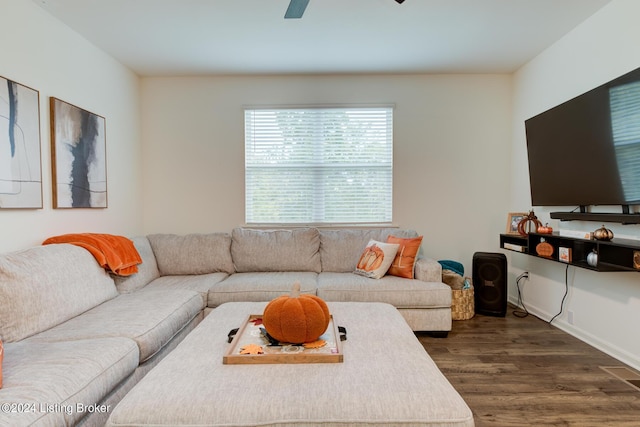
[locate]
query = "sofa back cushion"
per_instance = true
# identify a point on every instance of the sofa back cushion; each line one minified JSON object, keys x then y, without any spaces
{"x":44,"y":286}
{"x":147,"y":270}
{"x":192,"y":253}
{"x":276,"y":250}
{"x":340,"y":249}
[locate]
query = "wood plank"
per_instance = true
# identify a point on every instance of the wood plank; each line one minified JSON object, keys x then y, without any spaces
{"x":516,"y":371}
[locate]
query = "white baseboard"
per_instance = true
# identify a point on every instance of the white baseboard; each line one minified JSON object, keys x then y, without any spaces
{"x":608,"y":348}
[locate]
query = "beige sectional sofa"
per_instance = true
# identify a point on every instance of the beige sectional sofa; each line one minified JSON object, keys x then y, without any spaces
{"x":77,"y":339}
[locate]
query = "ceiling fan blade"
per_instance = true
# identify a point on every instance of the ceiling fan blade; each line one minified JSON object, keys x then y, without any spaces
{"x":296,"y":9}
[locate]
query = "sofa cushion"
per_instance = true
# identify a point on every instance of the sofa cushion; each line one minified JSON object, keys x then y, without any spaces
{"x":340,"y":249}
{"x":200,"y":283}
{"x":260,"y":286}
{"x":276,"y":250}
{"x":44,"y":286}
{"x":1,"y":357}
{"x":55,"y":381}
{"x":400,"y":292}
{"x":192,"y":253}
{"x":147,"y":270}
{"x":149,"y":317}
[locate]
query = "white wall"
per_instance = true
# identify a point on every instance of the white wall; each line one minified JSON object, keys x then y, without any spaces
{"x":605,"y":306}
{"x":451,"y":145}
{"x":40,"y":52}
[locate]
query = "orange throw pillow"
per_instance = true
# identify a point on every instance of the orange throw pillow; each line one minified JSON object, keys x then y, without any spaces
{"x":405,"y":260}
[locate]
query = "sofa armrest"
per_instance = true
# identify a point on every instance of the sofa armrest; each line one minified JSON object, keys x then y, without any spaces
{"x":428,"y":270}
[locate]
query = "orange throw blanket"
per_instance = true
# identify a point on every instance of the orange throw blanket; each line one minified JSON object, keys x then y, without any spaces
{"x":114,"y":253}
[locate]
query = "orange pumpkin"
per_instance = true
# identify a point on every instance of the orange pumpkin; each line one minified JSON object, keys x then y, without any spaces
{"x":545,"y":229}
{"x":296,"y":318}
{"x":544,"y":249}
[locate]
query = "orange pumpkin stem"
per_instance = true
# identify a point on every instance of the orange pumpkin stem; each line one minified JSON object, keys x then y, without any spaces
{"x":295,"y":292}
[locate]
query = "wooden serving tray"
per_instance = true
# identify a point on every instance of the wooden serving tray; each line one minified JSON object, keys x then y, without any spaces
{"x":251,"y":333}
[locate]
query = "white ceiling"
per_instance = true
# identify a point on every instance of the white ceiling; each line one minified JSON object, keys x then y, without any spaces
{"x":196,"y":37}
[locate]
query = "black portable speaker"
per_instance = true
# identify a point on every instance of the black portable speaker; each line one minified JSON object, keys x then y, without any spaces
{"x":490,"y":283}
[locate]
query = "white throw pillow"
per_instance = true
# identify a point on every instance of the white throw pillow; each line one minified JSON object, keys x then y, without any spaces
{"x":376,"y":259}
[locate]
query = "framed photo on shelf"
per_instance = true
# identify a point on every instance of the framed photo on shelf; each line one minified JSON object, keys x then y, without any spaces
{"x":564,"y":254}
{"x":513,"y":219}
{"x":78,"y":157}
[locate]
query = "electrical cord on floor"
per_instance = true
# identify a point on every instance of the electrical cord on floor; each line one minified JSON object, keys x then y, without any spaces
{"x":524,"y":312}
{"x":566,"y":291}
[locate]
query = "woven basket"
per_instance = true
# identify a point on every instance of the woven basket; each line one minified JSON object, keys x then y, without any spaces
{"x":462,"y":304}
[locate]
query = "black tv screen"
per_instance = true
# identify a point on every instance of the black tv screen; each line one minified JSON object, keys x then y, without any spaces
{"x":586,"y":151}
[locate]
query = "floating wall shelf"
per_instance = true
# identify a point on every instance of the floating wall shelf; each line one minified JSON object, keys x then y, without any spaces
{"x":614,"y":255}
{"x":621,"y":218}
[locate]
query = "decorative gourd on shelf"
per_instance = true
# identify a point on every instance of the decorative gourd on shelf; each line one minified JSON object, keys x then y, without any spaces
{"x":528,"y":223}
{"x":545,"y":229}
{"x":296,"y":318}
{"x":603,"y":233}
{"x":544,"y":249}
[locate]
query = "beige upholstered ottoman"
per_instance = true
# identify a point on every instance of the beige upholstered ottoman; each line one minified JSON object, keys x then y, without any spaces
{"x":386,"y":378}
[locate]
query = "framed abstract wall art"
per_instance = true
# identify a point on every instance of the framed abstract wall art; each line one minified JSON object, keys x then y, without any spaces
{"x":78,"y":157}
{"x":20,"y":163}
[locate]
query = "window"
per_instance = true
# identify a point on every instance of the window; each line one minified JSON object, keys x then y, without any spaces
{"x":318,"y":165}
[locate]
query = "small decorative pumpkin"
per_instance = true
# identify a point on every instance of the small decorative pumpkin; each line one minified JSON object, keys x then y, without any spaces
{"x":592,"y":258}
{"x":544,"y":249}
{"x":545,"y":229}
{"x":296,"y":318}
{"x":528,"y":223}
{"x":603,"y":233}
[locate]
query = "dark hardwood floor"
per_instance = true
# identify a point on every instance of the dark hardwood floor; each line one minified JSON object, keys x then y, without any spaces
{"x":515,"y":371}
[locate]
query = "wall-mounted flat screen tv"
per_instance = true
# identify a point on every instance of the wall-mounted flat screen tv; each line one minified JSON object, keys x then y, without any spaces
{"x":586,"y":151}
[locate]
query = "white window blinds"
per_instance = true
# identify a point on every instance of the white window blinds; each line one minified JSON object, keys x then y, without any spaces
{"x":625,"y":126}
{"x":318,"y":165}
